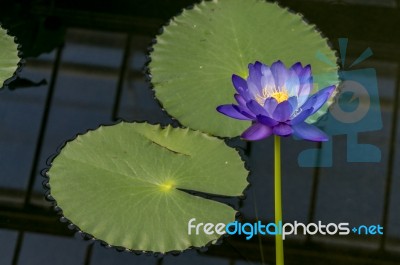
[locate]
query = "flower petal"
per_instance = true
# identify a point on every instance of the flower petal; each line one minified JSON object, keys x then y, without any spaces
{"x":304,"y":91}
{"x":239,"y":83}
{"x":306,"y":84}
{"x":257,"y":131}
{"x":245,"y":111}
{"x":305,"y":74}
{"x":302,"y":116}
{"x":282,"y":129}
{"x":280,"y":74}
{"x":293,"y":102}
{"x":309,"y":132}
{"x":292,"y":83}
{"x":231,"y":111}
{"x":318,"y":99}
{"x":297,"y":67}
{"x":241,"y":86}
{"x":257,"y":66}
{"x":256,"y":108}
{"x":283,"y":111}
{"x":267,"y":79}
{"x":253,"y":91}
{"x":240,"y":100}
{"x":270,"y":105}
{"x":266,"y":120}
{"x":255,"y":74}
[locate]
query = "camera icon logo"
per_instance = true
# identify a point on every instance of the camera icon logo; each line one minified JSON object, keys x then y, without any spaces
{"x":356,"y":109}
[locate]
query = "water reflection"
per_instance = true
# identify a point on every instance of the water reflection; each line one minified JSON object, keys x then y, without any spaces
{"x":84,"y":96}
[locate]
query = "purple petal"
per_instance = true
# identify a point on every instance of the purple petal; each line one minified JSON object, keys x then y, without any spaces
{"x":309,"y":103}
{"x":297,"y":67}
{"x":267,"y":79}
{"x":293,"y":102}
{"x":305,"y":74}
{"x":256,"y":108}
{"x":239,"y":83}
{"x":255,"y":74}
{"x":240,"y":100}
{"x":270,"y":105}
{"x":318,"y":99}
{"x":241,"y":86}
{"x":231,"y":111}
{"x":309,"y":132}
{"x":302,"y":116}
{"x":257,"y":131}
{"x":292,"y":83}
{"x":266,"y":120}
{"x":306,"y":84}
{"x":265,"y":69}
{"x":282,"y":129}
{"x":257,"y":66}
{"x":304,"y":91}
{"x":283,"y":111}
{"x":245,"y":111}
{"x":254,"y":90}
{"x":280,"y":73}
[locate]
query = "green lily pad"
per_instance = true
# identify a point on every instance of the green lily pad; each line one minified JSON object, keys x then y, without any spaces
{"x":123,"y":184}
{"x":8,"y":56}
{"x":197,"y":53}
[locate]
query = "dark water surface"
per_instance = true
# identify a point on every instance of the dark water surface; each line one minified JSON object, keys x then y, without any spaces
{"x":92,"y":54}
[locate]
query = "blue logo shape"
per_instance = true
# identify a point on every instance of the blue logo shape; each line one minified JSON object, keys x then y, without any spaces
{"x":356,"y":110}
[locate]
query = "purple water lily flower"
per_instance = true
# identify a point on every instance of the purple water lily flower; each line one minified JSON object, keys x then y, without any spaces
{"x":278,"y":101}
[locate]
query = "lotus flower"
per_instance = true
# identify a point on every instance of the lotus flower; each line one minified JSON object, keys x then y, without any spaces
{"x":277,"y":100}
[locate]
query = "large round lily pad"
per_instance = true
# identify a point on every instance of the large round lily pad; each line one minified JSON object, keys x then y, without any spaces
{"x":122,"y":184}
{"x":8,"y":56}
{"x":197,"y":53}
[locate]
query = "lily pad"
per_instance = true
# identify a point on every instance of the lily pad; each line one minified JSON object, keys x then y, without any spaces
{"x":194,"y":58}
{"x":8,"y":56}
{"x":124,"y":185}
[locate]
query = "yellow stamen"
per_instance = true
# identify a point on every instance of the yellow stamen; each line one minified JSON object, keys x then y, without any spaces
{"x":280,"y":96}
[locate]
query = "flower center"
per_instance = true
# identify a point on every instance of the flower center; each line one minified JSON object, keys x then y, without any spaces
{"x":280,"y":96}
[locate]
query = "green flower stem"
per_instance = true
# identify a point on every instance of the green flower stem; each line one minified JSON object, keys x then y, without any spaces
{"x":278,"y":199}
